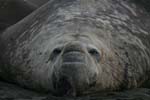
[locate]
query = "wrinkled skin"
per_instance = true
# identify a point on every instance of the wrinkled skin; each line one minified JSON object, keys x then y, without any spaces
{"x":75,"y":47}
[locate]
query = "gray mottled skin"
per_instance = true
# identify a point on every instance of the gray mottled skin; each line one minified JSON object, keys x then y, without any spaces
{"x":119,"y":31}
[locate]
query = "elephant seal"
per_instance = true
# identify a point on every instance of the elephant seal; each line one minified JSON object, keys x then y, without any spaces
{"x":77,"y":47}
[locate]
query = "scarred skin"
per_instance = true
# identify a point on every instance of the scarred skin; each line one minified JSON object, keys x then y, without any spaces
{"x":76,"y":47}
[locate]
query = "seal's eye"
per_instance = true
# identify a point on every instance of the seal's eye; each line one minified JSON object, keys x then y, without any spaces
{"x":94,"y":53}
{"x":55,"y":53}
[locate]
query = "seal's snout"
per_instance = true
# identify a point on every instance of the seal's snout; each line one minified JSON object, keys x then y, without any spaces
{"x":73,"y":53}
{"x":74,"y":57}
{"x":74,"y":75}
{"x":73,"y":47}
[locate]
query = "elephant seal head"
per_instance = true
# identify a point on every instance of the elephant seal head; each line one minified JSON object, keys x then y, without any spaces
{"x":81,"y":63}
{"x":75,"y":67}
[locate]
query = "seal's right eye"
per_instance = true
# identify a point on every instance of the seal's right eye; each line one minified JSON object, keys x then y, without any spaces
{"x":55,"y":53}
{"x":94,"y":53}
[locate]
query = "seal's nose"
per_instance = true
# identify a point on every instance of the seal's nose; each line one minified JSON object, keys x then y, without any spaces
{"x":73,"y":53}
{"x":74,"y":57}
{"x":75,"y":46}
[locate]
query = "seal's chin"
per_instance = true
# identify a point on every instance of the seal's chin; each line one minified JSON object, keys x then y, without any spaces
{"x":71,"y":79}
{"x":63,"y":87}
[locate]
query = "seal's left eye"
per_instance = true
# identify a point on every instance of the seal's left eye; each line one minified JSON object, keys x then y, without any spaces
{"x":55,"y":53}
{"x":94,"y":53}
